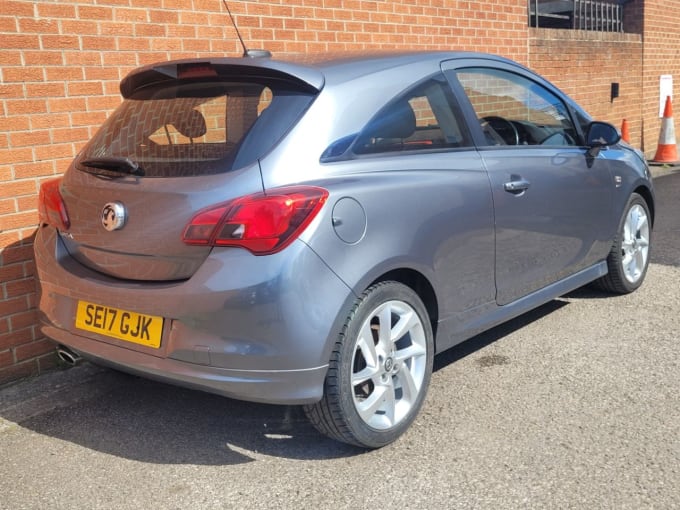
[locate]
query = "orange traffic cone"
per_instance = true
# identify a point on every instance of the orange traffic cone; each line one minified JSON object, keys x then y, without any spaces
{"x":625,"y":131}
{"x":667,"y":152}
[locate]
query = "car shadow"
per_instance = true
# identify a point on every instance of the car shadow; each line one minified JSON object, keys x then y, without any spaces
{"x":487,"y":338}
{"x":147,"y":421}
{"x":152,"y":422}
{"x":591,"y":292}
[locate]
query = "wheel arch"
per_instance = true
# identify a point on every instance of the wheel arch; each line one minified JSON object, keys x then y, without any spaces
{"x":648,"y":197}
{"x":417,"y":282}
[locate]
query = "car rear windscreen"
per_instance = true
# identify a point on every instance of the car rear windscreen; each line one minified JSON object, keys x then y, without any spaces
{"x":196,"y":128}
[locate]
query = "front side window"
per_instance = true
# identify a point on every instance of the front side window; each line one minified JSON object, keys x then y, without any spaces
{"x":513,"y":110}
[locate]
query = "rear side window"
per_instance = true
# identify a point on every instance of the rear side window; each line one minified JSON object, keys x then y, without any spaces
{"x":424,"y":117}
{"x":198,"y":128}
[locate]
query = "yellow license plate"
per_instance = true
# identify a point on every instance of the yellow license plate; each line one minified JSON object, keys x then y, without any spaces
{"x":121,"y":324}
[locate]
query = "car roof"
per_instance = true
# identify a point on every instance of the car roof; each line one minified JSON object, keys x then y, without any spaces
{"x":313,"y":70}
{"x":346,"y":66}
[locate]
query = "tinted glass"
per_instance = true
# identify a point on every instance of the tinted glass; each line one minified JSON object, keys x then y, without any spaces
{"x":424,"y":117}
{"x":513,"y":110}
{"x":197,"y":128}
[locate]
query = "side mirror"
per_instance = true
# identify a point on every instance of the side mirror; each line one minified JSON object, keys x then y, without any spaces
{"x":601,"y":134}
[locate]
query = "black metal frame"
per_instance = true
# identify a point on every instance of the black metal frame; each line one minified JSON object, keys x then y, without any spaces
{"x":595,"y":15}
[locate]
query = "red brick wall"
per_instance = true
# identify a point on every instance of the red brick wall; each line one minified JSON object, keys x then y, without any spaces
{"x":585,"y":64}
{"x":61,"y":61}
{"x":661,"y":56}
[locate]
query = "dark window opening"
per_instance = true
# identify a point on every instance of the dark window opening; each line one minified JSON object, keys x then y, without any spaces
{"x":595,"y":15}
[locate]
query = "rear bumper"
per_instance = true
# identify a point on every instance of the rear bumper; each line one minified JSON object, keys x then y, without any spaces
{"x":266,"y":386}
{"x":252,"y":328}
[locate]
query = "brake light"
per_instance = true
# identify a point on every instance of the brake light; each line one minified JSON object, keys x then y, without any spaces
{"x":262,"y":223}
{"x":196,"y":70}
{"x":51,"y":206}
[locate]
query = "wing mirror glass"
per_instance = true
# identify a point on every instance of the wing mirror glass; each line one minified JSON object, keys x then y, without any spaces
{"x":602,"y":134}
{"x":599,"y":135}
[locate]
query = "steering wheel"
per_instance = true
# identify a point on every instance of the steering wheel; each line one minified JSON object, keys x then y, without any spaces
{"x":504,"y":128}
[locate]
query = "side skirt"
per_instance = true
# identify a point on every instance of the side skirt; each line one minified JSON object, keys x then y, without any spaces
{"x":459,"y":328}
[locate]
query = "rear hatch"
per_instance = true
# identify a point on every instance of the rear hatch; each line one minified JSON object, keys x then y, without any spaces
{"x":187,"y":136}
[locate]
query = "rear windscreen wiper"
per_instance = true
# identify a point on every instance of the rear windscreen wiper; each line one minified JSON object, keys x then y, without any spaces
{"x":111,"y":166}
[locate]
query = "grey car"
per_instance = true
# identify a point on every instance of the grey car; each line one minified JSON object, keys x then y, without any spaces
{"x":313,"y":231}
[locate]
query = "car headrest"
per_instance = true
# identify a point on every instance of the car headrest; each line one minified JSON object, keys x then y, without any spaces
{"x":191,"y":125}
{"x":398,"y":122}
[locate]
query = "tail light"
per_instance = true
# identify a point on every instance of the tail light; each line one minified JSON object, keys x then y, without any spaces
{"x":51,"y":207}
{"x":262,"y":223}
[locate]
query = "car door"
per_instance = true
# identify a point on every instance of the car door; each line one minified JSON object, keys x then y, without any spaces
{"x":552,"y":201}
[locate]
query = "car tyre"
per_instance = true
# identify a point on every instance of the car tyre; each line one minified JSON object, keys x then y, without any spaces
{"x":379,"y":370}
{"x":629,"y":257}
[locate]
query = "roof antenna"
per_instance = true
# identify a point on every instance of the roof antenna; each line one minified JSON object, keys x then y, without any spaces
{"x":246,"y":51}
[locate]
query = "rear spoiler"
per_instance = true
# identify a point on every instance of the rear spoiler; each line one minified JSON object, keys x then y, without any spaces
{"x":303,"y":77}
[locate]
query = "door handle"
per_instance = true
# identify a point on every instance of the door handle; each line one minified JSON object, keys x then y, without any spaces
{"x":517,"y":187}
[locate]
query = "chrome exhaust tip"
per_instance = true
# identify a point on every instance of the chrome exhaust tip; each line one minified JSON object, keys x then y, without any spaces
{"x":67,"y":356}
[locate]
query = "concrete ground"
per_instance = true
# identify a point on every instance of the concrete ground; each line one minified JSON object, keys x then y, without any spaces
{"x":661,"y":169}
